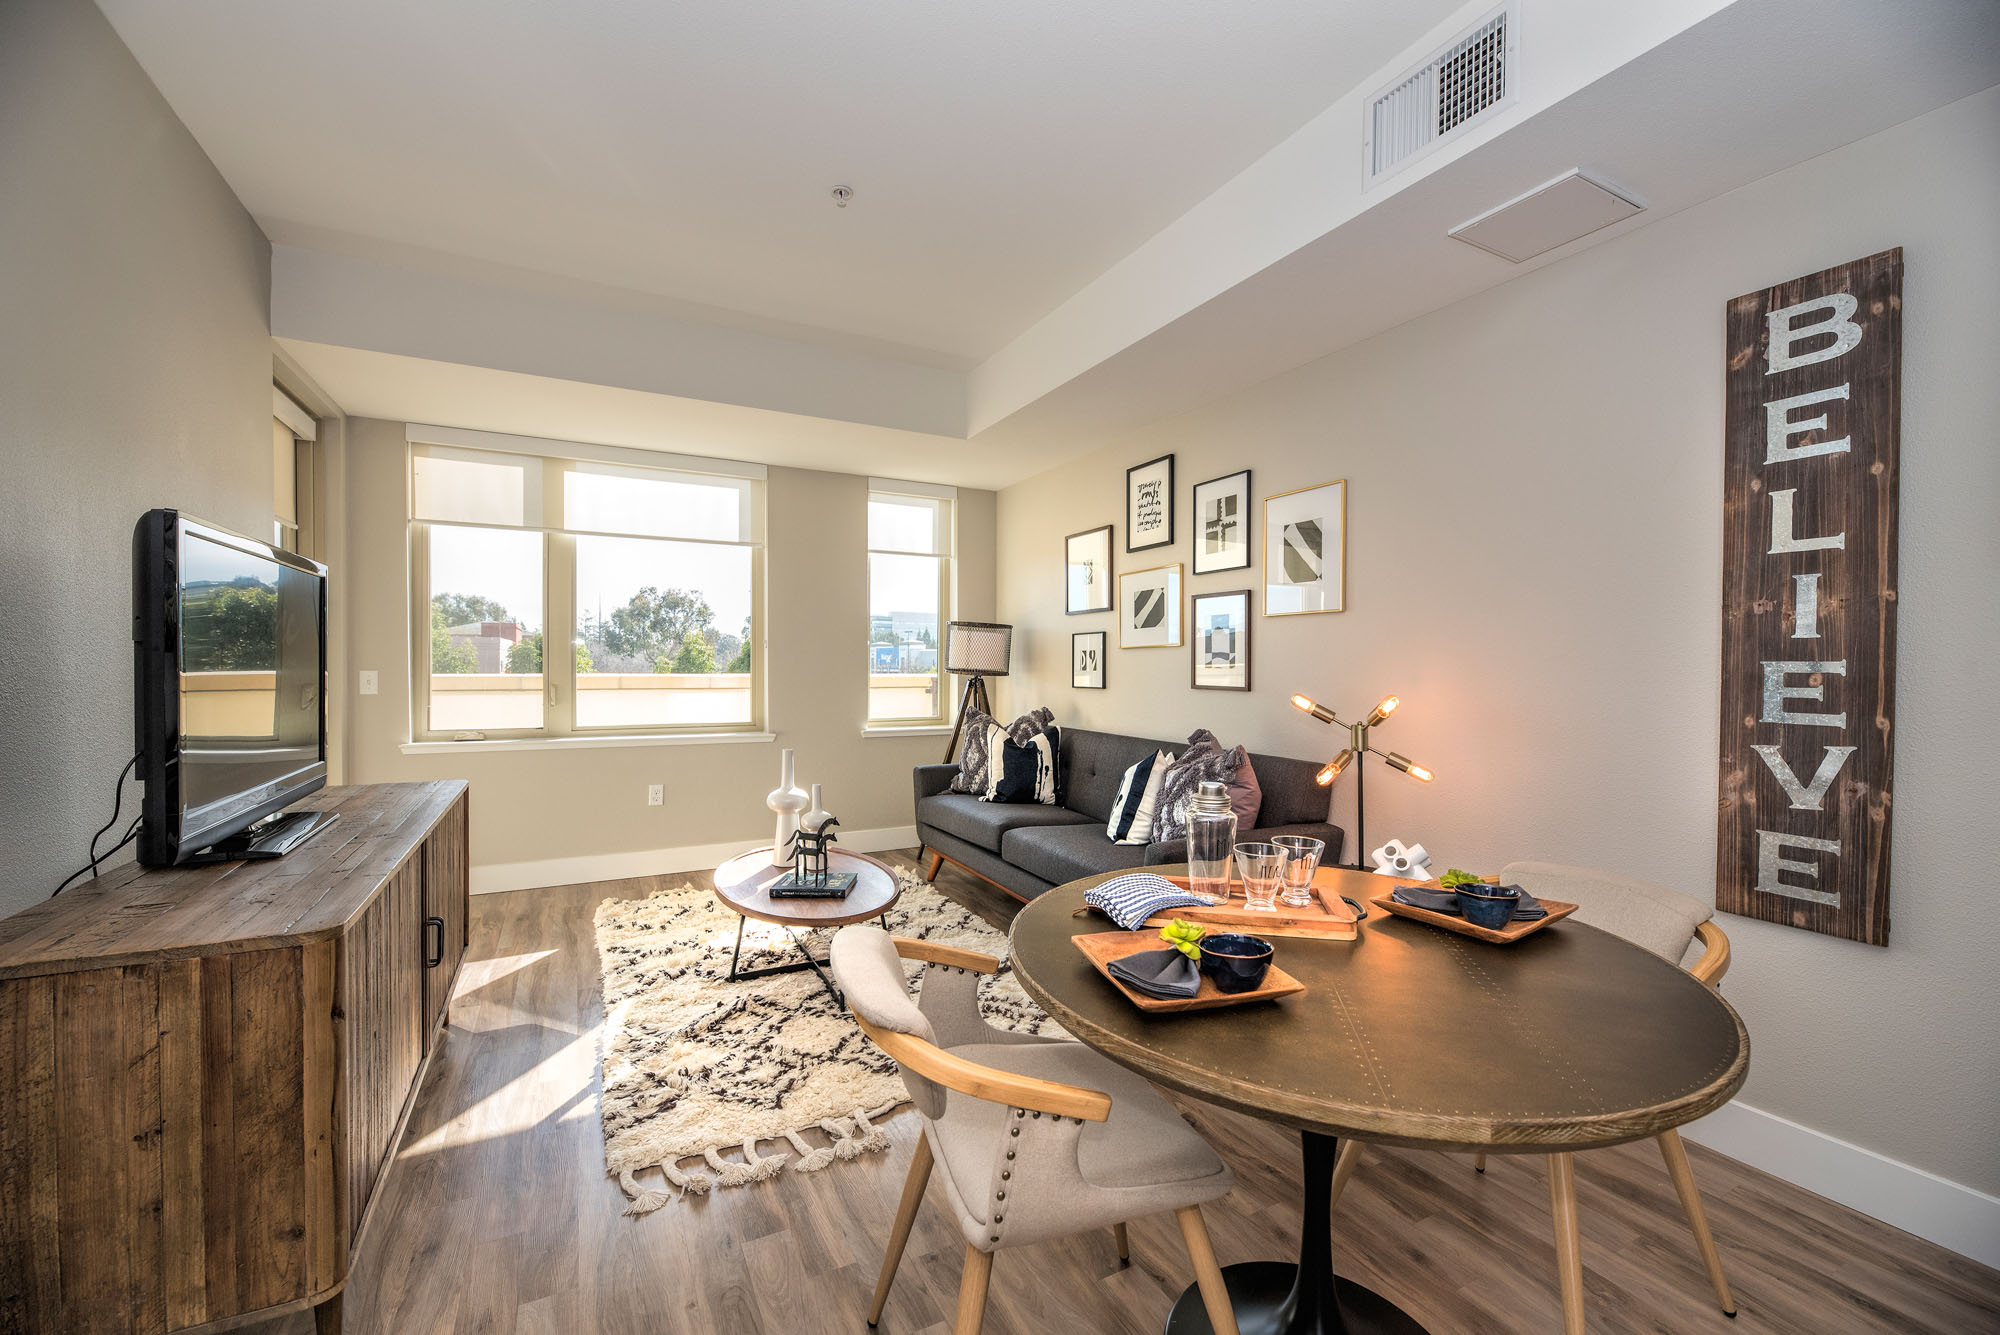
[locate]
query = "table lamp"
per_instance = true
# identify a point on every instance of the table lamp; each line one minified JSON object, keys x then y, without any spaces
{"x":1357,"y":746}
{"x":977,"y":650}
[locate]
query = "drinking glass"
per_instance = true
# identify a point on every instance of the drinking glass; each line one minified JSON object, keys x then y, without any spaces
{"x":1302,"y":855}
{"x":1261,"y":867}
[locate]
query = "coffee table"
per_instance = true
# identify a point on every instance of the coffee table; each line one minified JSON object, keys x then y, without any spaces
{"x":743,"y":884}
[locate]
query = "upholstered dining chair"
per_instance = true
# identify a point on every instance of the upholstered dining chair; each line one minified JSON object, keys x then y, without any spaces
{"x":1667,"y":923}
{"x":1037,"y":1138}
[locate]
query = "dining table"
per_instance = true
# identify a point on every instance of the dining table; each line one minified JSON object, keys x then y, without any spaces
{"x":1567,"y":1039}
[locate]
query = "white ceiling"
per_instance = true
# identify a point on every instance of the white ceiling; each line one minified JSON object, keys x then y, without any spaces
{"x":1002,"y":155}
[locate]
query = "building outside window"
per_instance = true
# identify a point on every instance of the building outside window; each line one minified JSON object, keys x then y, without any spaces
{"x":909,"y":600}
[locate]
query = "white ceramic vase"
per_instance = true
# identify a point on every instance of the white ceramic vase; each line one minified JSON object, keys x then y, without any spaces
{"x":788,"y":800}
{"x":816,"y":814}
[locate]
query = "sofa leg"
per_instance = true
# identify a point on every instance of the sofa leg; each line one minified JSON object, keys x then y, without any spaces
{"x":930,"y":872}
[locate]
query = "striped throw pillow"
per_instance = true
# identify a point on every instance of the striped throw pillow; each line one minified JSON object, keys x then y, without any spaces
{"x":1138,"y":799}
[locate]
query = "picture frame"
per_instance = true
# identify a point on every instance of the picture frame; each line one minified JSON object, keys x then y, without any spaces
{"x":1149,"y":608}
{"x":1149,"y":504}
{"x":1305,"y":550}
{"x":1219,"y":641}
{"x":1086,"y":659}
{"x":1087,"y":574}
{"x":1222,"y":534}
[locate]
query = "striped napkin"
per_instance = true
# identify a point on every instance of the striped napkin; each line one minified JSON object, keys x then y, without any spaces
{"x":1130,"y":900}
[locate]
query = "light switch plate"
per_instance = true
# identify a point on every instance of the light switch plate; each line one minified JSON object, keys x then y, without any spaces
{"x":371,"y":683}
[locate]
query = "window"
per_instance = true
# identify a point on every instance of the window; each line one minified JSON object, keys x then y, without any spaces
{"x":909,"y":601}
{"x":649,"y":577}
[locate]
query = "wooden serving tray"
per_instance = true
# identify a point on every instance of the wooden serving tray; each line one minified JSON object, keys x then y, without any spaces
{"x":1327,"y":920}
{"x":1100,"y":948}
{"x":1499,"y":936}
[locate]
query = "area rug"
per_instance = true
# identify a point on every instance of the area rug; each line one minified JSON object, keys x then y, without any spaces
{"x":697,"y":1067}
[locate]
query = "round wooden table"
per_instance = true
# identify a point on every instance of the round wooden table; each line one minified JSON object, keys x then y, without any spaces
{"x":1411,"y":1035}
{"x":743,"y":884}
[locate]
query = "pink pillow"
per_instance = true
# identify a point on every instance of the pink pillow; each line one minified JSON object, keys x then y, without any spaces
{"x":1246,"y":795}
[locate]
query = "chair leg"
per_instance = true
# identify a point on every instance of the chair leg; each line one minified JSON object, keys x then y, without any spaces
{"x":930,"y":872}
{"x":972,"y":1291}
{"x":1682,"y":1173}
{"x":1124,"y":1244}
{"x":1569,"y":1248}
{"x":906,"y":1215}
{"x":1207,"y":1274}
{"x":1479,"y":1162}
{"x":1344,"y":1165}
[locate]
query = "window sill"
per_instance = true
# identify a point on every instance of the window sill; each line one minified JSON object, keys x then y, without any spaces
{"x":906,"y":730}
{"x":585,"y":743}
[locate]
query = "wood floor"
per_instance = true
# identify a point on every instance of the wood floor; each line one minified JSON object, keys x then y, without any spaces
{"x":499,"y":1217}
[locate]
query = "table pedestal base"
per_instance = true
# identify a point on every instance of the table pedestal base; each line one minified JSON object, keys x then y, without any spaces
{"x":1273,"y":1298}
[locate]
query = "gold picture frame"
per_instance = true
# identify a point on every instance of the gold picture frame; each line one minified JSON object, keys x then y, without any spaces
{"x":1305,"y":534}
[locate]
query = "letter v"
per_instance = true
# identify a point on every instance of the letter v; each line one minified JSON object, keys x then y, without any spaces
{"x":1806,"y":798}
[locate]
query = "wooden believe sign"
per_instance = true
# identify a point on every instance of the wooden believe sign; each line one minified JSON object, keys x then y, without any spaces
{"x":1814,"y":388}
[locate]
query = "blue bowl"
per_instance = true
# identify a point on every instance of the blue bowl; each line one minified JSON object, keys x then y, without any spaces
{"x":1489,"y":905}
{"x":1236,"y":963}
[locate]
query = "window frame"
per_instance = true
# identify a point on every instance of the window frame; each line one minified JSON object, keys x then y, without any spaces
{"x":559,"y":675}
{"x":945,"y":553}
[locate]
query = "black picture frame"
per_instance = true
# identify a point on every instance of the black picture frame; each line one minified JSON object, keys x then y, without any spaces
{"x":1234,"y":486}
{"x":1072,"y":590}
{"x":1079,"y":643}
{"x":1199,"y":643}
{"x":1143,"y":479}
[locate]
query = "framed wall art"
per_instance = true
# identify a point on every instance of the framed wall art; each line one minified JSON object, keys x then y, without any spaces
{"x":1305,"y":550}
{"x":1149,"y":608}
{"x":1087,"y":571}
{"x":1086,"y":660}
{"x":1149,"y":505}
{"x":1219,"y":641}
{"x":1222,"y":524}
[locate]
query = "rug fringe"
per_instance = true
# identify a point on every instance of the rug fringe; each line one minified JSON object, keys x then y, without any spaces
{"x":643,"y":1200}
{"x":811,"y":1159}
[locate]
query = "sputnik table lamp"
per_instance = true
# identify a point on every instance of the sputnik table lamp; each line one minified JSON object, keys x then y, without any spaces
{"x":1357,"y":746}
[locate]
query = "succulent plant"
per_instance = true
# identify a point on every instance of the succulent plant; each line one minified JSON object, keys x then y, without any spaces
{"x":1185,"y":937}
{"x":1454,"y":878}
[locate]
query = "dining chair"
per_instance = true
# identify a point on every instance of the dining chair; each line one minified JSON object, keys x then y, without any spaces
{"x":1037,"y":1138}
{"x":1667,"y":923}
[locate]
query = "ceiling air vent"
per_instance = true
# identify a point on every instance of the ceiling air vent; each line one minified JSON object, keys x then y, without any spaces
{"x":1457,"y":86}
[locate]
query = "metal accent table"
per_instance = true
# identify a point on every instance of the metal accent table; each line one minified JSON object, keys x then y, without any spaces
{"x":1569,"y":1039}
{"x":743,"y":885}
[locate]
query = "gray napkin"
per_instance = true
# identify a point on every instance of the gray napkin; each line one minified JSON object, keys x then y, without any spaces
{"x":1526,"y":908}
{"x":1158,"y":973}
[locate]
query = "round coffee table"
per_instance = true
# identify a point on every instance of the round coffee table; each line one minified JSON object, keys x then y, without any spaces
{"x":743,"y":884}
{"x":1568,"y":1039}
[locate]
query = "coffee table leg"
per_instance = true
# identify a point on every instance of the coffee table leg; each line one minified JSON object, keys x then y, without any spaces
{"x":738,"y":974}
{"x":1273,"y":1298}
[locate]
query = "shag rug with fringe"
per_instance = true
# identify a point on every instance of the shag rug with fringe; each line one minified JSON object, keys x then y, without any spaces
{"x":752,"y":1078}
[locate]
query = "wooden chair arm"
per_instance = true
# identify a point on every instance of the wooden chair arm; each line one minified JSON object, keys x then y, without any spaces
{"x":984,"y":1082}
{"x":1714,"y":960}
{"x":950,"y":956}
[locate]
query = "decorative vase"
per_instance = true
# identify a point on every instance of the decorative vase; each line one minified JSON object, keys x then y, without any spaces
{"x":787,"y":800}
{"x":817,"y":814}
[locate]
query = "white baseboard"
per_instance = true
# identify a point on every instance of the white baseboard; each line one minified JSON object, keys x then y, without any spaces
{"x":1934,"y":1208}
{"x":492,"y":878}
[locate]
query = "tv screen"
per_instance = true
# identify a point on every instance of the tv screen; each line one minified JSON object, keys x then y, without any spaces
{"x":231,"y":648}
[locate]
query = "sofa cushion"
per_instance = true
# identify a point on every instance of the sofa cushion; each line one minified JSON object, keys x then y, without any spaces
{"x":1061,"y":853}
{"x":983,"y":823}
{"x":1094,"y":764}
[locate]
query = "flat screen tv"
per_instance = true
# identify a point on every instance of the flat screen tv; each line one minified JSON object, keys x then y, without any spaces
{"x":230,"y":654}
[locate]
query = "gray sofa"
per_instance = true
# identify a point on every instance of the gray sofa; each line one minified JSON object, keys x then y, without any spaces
{"x":1027,"y":848}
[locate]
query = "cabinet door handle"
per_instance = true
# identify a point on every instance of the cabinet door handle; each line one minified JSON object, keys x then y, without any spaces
{"x":433,"y":958}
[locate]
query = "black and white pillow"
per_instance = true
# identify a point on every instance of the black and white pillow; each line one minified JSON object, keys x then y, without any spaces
{"x":1023,"y":771}
{"x":1138,"y":800}
{"x":972,"y":765}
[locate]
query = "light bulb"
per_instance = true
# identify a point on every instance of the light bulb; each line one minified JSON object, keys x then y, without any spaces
{"x":1317,"y":710}
{"x":1420,"y":773}
{"x":1384,"y":709}
{"x":1333,"y":767}
{"x":1409,"y":767}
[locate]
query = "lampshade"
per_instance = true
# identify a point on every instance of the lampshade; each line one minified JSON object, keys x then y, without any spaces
{"x":981,"y":648}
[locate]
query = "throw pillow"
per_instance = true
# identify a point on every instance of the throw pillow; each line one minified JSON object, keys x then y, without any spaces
{"x":972,"y":765}
{"x":1246,"y":792}
{"x":1138,"y":798}
{"x":1024,"y":772}
{"x":1205,"y":759}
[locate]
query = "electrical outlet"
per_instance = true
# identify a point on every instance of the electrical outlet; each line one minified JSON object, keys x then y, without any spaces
{"x":371,"y":683}
{"x":656,"y":795}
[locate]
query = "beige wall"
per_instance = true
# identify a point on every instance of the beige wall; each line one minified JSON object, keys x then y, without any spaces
{"x":135,"y":371}
{"x":1534,"y":565}
{"x":555,"y":806}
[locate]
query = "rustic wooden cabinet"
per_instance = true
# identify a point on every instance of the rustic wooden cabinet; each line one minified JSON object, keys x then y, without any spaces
{"x":204,"y":1071}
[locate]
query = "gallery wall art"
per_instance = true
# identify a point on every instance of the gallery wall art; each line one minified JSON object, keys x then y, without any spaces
{"x":1149,"y":505}
{"x":1222,"y":524}
{"x":1087,"y":571}
{"x":1086,"y":660}
{"x":1149,"y":608}
{"x":1219,"y":641}
{"x":1305,"y":550}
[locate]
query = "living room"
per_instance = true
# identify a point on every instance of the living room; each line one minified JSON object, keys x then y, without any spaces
{"x":1106,"y":398}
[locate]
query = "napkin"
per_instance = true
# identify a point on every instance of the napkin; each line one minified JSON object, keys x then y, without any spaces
{"x":1130,"y":900}
{"x":1526,"y":909}
{"x":1158,"y":973}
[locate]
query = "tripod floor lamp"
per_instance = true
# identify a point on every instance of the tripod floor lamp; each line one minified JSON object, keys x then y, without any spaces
{"x":977,"y":650}
{"x":1357,"y":747}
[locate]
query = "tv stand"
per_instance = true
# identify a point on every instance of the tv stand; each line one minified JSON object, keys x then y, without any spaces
{"x":272,"y":837}
{"x":205,"y":1071}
